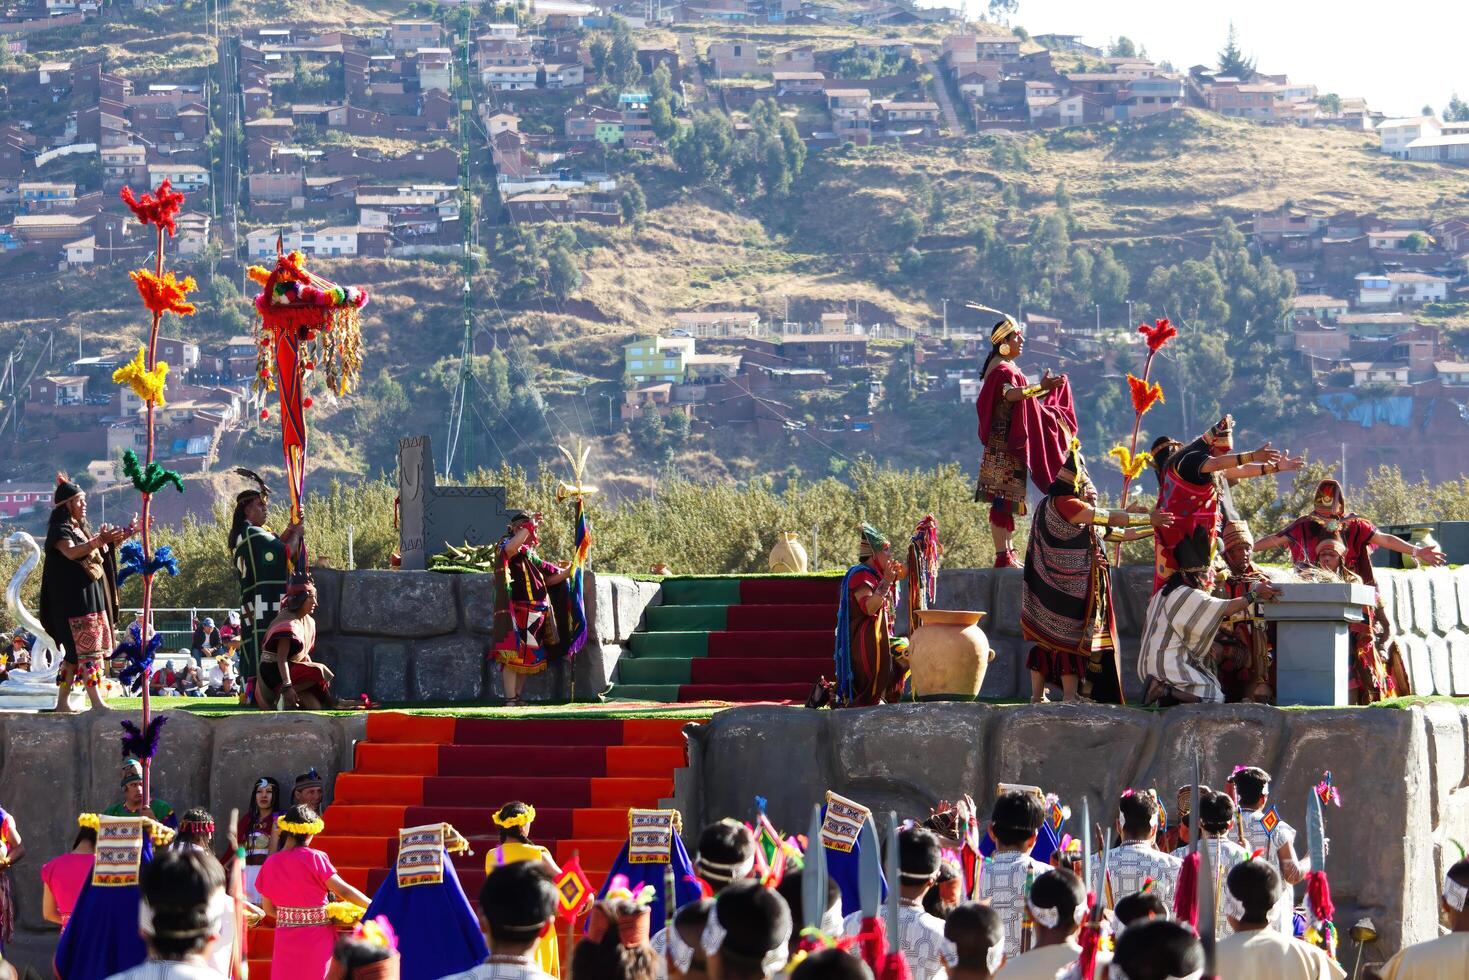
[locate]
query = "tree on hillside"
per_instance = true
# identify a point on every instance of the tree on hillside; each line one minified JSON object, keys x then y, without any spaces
{"x":562,"y":275}
{"x":1045,"y":257}
{"x":599,"y":50}
{"x":1122,"y":48}
{"x":1457,"y":110}
{"x":1330,"y":103}
{"x":634,"y":203}
{"x":702,"y":151}
{"x":1000,"y":9}
{"x":1110,"y":280}
{"x":1232,"y":61}
{"x":647,"y":432}
{"x":622,"y":56}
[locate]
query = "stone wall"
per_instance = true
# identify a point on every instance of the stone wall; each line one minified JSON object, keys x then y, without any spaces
{"x":1401,"y":773}
{"x":423,"y":636}
{"x":53,"y":767}
{"x":1429,"y":610}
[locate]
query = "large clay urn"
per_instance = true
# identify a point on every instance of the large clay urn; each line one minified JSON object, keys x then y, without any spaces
{"x":948,"y":654}
{"x":789,"y":555}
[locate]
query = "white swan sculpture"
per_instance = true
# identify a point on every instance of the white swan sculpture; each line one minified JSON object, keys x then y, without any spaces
{"x":45,"y":657}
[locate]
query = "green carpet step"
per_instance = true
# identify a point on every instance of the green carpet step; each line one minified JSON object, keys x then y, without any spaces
{"x":662,"y":693}
{"x":680,"y":645}
{"x":700,"y":591}
{"x":683,"y":618}
{"x":653,"y":670}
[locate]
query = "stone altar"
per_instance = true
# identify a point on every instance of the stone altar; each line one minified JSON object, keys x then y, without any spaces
{"x":1313,"y":644}
{"x":431,"y":516}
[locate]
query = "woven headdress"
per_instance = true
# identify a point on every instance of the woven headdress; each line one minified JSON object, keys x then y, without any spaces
{"x":872,"y":541}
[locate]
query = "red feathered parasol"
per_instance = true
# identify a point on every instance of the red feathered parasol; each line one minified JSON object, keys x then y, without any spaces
{"x":305,"y":322}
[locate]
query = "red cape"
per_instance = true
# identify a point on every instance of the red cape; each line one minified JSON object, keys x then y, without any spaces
{"x":1040,"y":428}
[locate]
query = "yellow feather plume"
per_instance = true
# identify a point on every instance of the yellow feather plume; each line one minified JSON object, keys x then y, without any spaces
{"x":1130,"y":465}
{"x":147,"y":385}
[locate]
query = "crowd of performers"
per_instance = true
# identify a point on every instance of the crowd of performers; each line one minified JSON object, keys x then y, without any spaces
{"x":1204,"y":638}
{"x":946,"y":895}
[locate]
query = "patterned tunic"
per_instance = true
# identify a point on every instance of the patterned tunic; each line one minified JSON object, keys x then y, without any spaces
{"x":504,"y":968}
{"x":1178,"y":633}
{"x":920,"y":939}
{"x":1135,"y":861}
{"x":1225,"y":855}
{"x":1257,"y":838}
{"x":1002,"y":881}
{"x":261,"y":562}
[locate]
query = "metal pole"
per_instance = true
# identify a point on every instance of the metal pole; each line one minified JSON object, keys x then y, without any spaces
{"x":815,"y":547}
{"x":351,"y":557}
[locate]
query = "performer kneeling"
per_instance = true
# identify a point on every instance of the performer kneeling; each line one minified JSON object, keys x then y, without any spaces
{"x":1175,"y":661}
{"x":1066,"y":602}
{"x":289,"y":678}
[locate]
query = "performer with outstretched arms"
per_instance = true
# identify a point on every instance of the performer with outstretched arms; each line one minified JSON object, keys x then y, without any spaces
{"x":1194,"y":482}
{"x":1329,"y":519}
{"x":1025,"y":428}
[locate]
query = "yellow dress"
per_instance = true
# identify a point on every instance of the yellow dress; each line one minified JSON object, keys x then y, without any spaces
{"x":547,"y":953}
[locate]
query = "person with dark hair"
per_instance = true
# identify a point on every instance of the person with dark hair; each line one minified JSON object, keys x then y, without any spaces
{"x":1176,"y":655}
{"x":63,"y":876}
{"x":1024,"y":429}
{"x":1276,"y":844}
{"x":726,"y":854}
{"x":257,"y":832}
{"x":1257,"y":949}
{"x":513,"y":822}
{"x":1137,"y":908}
{"x":132,"y":798}
{"x":947,"y":891}
{"x":868,"y":658}
{"x":517,"y":906}
{"x":747,"y":935}
{"x":369,"y":953}
{"x":263,"y":562}
{"x":1159,"y":951}
{"x":1057,"y":906}
{"x":831,"y":964}
{"x":205,"y":641}
{"x":920,"y":936}
{"x":174,"y":916}
{"x":685,"y":959}
{"x":790,"y":889}
{"x":1447,"y":956}
{"x":295,"y":883}
{"x":1137,"y":859}
{"x":1216,"y":818}
{"x":976,"y":941}
{"x":525,"y":626}
{"x":616,"y":943}
{"x":12,"y":850}
{"x":1008,"y":873}
{"x":196,"y":830}
{"x":288,"y":677}
{"x":1066,"y":606}
{"x":78,"y":604}
{"x":1194,"y":486}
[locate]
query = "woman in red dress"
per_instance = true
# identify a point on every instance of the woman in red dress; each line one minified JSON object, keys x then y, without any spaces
{"x":1026,"y":430}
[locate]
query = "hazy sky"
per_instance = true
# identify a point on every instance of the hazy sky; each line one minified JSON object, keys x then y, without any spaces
{"x":1399,"y":55}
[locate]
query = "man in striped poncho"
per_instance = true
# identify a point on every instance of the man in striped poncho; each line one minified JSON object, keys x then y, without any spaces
{"x":1182,"y":620}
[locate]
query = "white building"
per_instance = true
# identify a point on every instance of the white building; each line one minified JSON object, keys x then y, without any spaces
{"x":1396,"y":134}
{"x":1400,"y":288}
{"x":184,"y":176}
{"x":323,"y":242}
{"x":1452,"y":147}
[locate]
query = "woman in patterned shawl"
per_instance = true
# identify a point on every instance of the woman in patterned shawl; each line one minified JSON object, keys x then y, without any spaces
{"x":1066,"y":602}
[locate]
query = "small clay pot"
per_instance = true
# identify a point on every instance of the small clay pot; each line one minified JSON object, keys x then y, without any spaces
{"x":948,"y":655}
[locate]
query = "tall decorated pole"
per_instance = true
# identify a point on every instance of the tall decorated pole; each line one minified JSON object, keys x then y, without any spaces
{"x":307,"y":324}
{"x":161,"y":293}
{"x":1145,"y":394}
{"x":577,"y":492}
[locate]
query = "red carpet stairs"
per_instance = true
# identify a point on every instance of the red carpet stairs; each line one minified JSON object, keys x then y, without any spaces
{"x":731,"y":639}
{"x":581,"y":775}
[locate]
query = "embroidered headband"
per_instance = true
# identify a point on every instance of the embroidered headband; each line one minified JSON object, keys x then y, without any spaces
{"x":1051,"y":918}
{"x":680,"y":953}
{"x":713,"y":939}
{"x":1454,"y":894}
{"x":1230,"y":905}
{"x":726,"y":872}
{"x":150,"y":931}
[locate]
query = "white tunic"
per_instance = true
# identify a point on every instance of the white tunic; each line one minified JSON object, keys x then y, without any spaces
{"x":1178,"y":631}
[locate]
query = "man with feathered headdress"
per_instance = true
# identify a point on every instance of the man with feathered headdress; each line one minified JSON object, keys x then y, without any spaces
{"x":867,"y":654}
{"x":263,"y":562}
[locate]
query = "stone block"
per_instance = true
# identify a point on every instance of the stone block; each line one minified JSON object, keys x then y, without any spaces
{"x":280,"y":744}
{"x":1070,"y":750}
{"x":447,"y":669}
{"x":876,"y":746}
{"x":179,"y":773}
{"x":1438,"y":660}
{"x":1420,"y":592}
{"x":600,"y":589}
{"x":631,"y":598}
{"x":1005,"y":617}
{"x":1444,"y":725}
{"x":1223,"y":736}
{"x":550,"y":686}
{"x":782,"y":751}
{"x":1132,"y":684}
{"x":1461,"y":589}
{"x":594,"y":669}
{"x":1445,"y":600}
{"x":389,"y":671}
{"x":1006,"y":678}
{"x":350,"y":659}
{"x":1458,"y":644}
{"x":40,"y":786}
{"x":328,"y":598}
{"x":966,"y":588}
{"x":1132,"y":588}
{"x":1402,"y":608}
{"x":399,"y":604}
{"x":477,"y":602}
{"x":1386,"y":585}
{"x":1419,"y":664}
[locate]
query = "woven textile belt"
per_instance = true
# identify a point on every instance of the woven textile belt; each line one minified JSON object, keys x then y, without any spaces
{"x":288,"y":918}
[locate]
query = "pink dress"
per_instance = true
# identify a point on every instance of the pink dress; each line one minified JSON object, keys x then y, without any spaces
{"x":65,"y":875}
{"x":295,"y":881}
